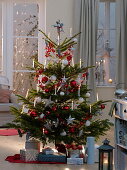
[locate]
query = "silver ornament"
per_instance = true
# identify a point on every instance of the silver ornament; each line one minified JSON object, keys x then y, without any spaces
{"x":80,"y":100}
{"x":87,"y":94}
{"x":62,"y":93}
{"x":38,"y":99}
{"x":87,"y":123}
{"x":70,"y":120}
{"x":53,"y":78}
{"x":42,"y":115}
{"x":65,"y":62}
{"x":75,"y":40}
{"x":63,"y":133}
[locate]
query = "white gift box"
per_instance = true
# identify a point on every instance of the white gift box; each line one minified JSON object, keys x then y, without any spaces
{"x":75,"y":161}
{"x":28,"y":154}
{"x":32,"y":144}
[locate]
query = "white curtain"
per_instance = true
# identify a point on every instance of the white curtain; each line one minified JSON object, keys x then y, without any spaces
{"x":85,"y":21}
{"x":121,"y":35}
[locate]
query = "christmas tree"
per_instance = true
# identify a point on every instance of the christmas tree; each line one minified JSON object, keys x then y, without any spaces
{"x":59,"y":110}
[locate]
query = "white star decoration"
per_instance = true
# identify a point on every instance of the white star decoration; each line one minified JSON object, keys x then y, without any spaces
{"x":70,"y":120}
{"x":48,"y":102}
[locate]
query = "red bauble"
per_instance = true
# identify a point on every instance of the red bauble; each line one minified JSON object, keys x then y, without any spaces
{"x":40,"y":71}
{"x":73,"y":83}
{"x":44,"y":79}
{"x":48,"y":112}
{"x":102,"y":106}
{"x":42,"y":87}
{"x":84,"y":75}
{"x":66,"y":85}
{"x":68,"y":146}
{"x":72,"y":129}
{"x":79,"y":147}
{"x":66,"y":107}
{"x":71,"y":90}
{"x":54,"y":108}
{"x":46,"y":132}
{"x":33,"y":114}
{"x":69,"y":58}
{"x":81,"y":123}
{"x":46,"y":90}
{"x":74,"y":147}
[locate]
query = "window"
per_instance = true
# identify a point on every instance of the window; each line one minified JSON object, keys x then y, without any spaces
{"x":19,"y":23}
{"x":25,"y":42}
{"x":106,"y":50}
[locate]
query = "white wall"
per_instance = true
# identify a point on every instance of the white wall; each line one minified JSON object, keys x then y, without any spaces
{"x":59,"y":9}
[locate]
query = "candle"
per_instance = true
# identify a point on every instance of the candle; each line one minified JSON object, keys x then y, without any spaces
{"x":80,"y":63}
{"x":72,"y":62}
{"x":97,"y":97}
{"x":55,"y":90}
{"x":45,"y":64}
{"x":33,"y":63}
{"x":27,"y":93}
{"x":72,"y":105}
{"x":58,"y":40}
{"x":70,"y":32}
{"x":90,"y":108}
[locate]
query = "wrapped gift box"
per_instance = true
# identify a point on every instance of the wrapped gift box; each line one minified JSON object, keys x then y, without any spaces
{"x":75,"y":161}
{"x":56,"y":157}
{"x":28,"y":154}
{"x":32,"y":144}
{"x":48,"y":151}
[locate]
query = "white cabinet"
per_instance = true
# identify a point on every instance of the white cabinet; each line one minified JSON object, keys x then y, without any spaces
{"x":120,"y":134}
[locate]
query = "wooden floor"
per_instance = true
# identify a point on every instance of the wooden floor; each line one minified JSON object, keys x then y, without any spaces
{"x":10,"y":145}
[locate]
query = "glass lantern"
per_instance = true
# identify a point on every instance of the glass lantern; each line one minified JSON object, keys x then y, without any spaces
{"x":106,"y":156}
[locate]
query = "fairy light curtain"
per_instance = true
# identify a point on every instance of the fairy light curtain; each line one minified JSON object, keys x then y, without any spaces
{"x":25,"y":38}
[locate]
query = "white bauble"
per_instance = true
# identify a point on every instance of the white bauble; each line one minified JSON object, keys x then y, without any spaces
{"x":38,"y":99}
{"x":80,"y":100}
{"x":65,"y":62}
{"x":42,"y":115}
{"x":25,"y":110}
{"x":75,"y":40}
{"x":62,"y":93}
{"x":87,"y":123}
{"x":87,"y":94}
{"x":53,"y":78}
{"x":63,"y":133}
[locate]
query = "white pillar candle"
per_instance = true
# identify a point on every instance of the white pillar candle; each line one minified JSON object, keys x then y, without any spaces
{"x":90,"y":150}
